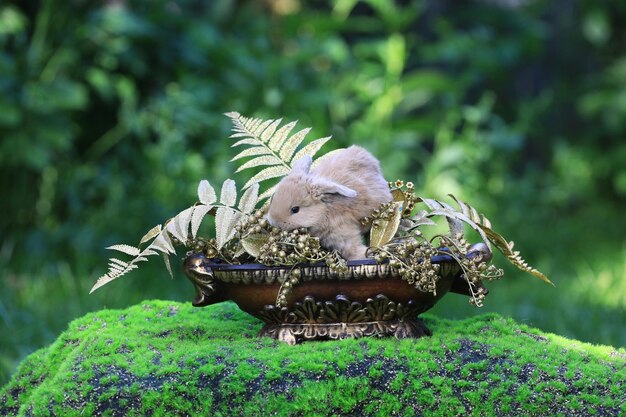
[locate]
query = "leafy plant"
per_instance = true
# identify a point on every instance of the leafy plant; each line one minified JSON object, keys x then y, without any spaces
{"x":269,"y":146}
{"x":186,"y":223}
{"x":242,"y":234}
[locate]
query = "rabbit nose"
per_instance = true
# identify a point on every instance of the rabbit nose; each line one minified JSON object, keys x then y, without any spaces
{"x":270,"y":219}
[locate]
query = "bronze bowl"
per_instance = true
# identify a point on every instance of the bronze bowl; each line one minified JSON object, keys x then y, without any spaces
{"x":369,"y":299}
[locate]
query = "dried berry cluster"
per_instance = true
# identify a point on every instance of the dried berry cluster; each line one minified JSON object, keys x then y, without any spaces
{"x":475,"y":270}
{"x":412,"y":259}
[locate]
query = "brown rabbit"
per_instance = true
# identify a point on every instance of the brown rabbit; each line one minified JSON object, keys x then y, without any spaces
{"x":331,"y":199}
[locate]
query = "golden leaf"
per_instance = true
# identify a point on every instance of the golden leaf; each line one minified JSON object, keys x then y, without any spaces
{"x":384,"y":230}
{"x":253,"y":243}
{"x":397,"y":195}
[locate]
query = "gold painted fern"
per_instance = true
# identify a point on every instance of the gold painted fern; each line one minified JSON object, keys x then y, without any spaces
{"x":269,"y":146}
{"x":470,"y":216}
{"x":227,"y":216}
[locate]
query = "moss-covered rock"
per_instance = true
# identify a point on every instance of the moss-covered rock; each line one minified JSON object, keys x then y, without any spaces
{"x":165,"y":358}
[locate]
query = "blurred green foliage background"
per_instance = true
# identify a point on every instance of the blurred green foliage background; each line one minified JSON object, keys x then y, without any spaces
{"x":111,"y":113}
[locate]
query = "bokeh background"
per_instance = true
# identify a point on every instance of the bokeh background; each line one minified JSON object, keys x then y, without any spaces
{"x":111,"y":113}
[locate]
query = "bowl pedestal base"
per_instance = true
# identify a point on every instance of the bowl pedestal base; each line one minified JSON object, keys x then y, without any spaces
{"x":341,"y":318}
{"x":294,"y":333}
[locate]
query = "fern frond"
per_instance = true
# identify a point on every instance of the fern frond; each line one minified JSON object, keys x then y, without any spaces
{"x":269,"y":146}
{"x":289,"y":148}
{"x":454,"y":217}
{"x":249,"y":199}
{"x":127,"y":249}
{"x":188,"y":220}
{"x":268,"y":173}
{"x":228,"y":196}
{"x":206,"y":193}
{"x":225,"y":220}
{"x":260,"y":161}
{"x":469,"y":215}
{"x":197,"y":217}
{"x":311,"y":149}
{"x":150,"y":234}
{"x":281,"y":135}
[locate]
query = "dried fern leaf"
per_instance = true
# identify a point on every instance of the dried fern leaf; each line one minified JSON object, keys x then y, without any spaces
{"x":258,"y":131}
{"x":505,"y":247}
{"x":148,"y":252}
{"x":228,"y":196}
{"x":162,"y":243}
{"x":196,"y":219}
{"x":270,"y":146}
{"x":118,"y":262}
{"x":206,"y":193}
{"x":113,"y":273}
{"x":256,"y":151}
{"x":150,"y":234}
{"x":311,"y":149}
{"x":172,"y":228}
{"x":268,"y":173}
{"x":183,"y":221}
{"x":246,"y":141}
{"x":385,"y":229}
{"x":225,"y":225}
{"x":103,"y":280}
{"x":290,"y":146}
{"x":268,"y":132}
{"x":278,"y":139}
{"x":127,"y":249}
{"x":513,"y":257}
{"x":248,"y":200}
{"x":260,"y":161}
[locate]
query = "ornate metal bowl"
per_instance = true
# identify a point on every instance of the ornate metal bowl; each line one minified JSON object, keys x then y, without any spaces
{"x":369,"y":299}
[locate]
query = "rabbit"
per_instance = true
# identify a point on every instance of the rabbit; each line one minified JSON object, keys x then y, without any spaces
{"x":331,"y":199}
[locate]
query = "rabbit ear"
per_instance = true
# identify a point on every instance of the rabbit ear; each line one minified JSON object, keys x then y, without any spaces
{"x":326,"y":189}
{"x":302,"y":165}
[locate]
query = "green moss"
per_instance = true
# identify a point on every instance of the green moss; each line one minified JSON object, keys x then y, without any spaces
{"x":163,"y":358}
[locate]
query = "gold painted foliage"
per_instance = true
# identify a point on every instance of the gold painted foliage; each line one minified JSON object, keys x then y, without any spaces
{"x":469,"y":215}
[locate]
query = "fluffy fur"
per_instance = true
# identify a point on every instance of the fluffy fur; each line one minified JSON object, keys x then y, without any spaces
{"x":331,"y":199}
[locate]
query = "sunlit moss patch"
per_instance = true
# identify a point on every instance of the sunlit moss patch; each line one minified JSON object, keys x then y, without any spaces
{"x":166,"y":358}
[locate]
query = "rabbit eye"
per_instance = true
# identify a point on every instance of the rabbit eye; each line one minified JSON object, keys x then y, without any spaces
{"x":295,"y":209}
